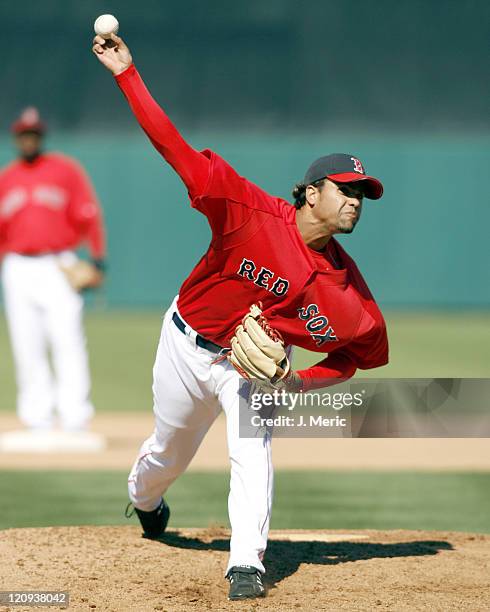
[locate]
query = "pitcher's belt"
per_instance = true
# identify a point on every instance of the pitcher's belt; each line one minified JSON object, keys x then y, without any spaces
{"x":200,"y":341}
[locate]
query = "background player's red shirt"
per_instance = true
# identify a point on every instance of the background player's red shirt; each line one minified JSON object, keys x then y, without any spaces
{"x":257,"y":254}
{"x":48,"y":206}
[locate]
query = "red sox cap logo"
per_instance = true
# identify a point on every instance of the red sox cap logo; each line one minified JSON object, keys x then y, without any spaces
{"x":357,"y":165}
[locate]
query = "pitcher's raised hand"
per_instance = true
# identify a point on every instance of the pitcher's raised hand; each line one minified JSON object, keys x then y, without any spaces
{"x":113,"y":53}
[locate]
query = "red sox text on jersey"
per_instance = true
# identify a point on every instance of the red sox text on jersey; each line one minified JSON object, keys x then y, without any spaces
{"x":263,"y":277}
{"x":316,"y":324}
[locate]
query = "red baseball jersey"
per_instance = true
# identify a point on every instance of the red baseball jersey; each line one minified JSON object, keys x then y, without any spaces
{"x":318,"y":301}
{"x":48,"y":206}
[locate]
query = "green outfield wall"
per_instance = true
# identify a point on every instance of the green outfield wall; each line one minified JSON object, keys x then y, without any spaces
{"x":270,"y":86}
{"x":405,"y":64}
{"x":425,"y":244}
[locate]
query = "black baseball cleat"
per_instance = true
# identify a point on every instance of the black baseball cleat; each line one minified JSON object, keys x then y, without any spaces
{"x":154,"y":522}
{"x":245,"y":582}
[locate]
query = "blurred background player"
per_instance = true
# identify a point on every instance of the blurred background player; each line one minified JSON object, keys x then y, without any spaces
{"x":48,"y":207}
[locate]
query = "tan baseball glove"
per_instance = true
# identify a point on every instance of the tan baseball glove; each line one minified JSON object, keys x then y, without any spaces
{"x":82,"y":275}
{"x":257,"y":350}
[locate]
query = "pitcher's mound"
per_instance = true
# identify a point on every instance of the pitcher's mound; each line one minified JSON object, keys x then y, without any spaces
{"x":114,"y":568}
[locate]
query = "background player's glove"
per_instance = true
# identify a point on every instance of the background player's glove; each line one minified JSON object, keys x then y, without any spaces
{"x":258,"y":352}
{"x":82,"y":274}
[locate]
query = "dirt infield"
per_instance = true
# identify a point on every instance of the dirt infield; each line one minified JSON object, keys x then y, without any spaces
{"x":126,"y":431}
{"x":114,"y":569}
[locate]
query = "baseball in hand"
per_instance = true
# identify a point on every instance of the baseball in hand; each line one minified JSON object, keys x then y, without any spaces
{"x":105,"y":25}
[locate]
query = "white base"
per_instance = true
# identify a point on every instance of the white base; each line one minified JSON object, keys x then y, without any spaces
{"x":51,"y":441}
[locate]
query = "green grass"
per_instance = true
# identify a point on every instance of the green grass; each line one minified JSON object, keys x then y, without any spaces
{"x":333,"y":500}
{"x":123,"y":345}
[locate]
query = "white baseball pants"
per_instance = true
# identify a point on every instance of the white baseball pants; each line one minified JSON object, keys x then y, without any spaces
{"x":44,"y":314}
{"x":189,"y":391}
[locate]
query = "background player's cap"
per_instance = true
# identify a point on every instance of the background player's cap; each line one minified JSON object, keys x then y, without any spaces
{"x":343,"y":168}
{"x":28,"y":121}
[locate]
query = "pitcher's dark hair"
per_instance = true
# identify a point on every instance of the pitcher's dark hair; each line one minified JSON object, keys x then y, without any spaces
{"x":299,"y":192}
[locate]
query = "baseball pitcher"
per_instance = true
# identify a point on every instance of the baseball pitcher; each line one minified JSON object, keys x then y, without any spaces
{"x":273,"y":276}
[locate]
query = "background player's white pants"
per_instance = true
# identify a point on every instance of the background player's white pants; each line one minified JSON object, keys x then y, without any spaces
{"x":189,"y":391}
{"x":43,"y":311}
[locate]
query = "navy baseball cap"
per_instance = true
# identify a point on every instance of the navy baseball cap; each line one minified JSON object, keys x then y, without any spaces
{"x":343,"y":168}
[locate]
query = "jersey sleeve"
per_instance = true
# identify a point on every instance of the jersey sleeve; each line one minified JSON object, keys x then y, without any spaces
{"x":84,"y":211}
{"x":229,"y":200}
{"x":369,"y":350}
{"x":191,"y":165}
{"x":214,"y":188}
{"x":335,"y":368}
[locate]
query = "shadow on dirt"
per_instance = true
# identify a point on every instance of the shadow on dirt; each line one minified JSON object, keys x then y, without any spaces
{"x":283,"y":558}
